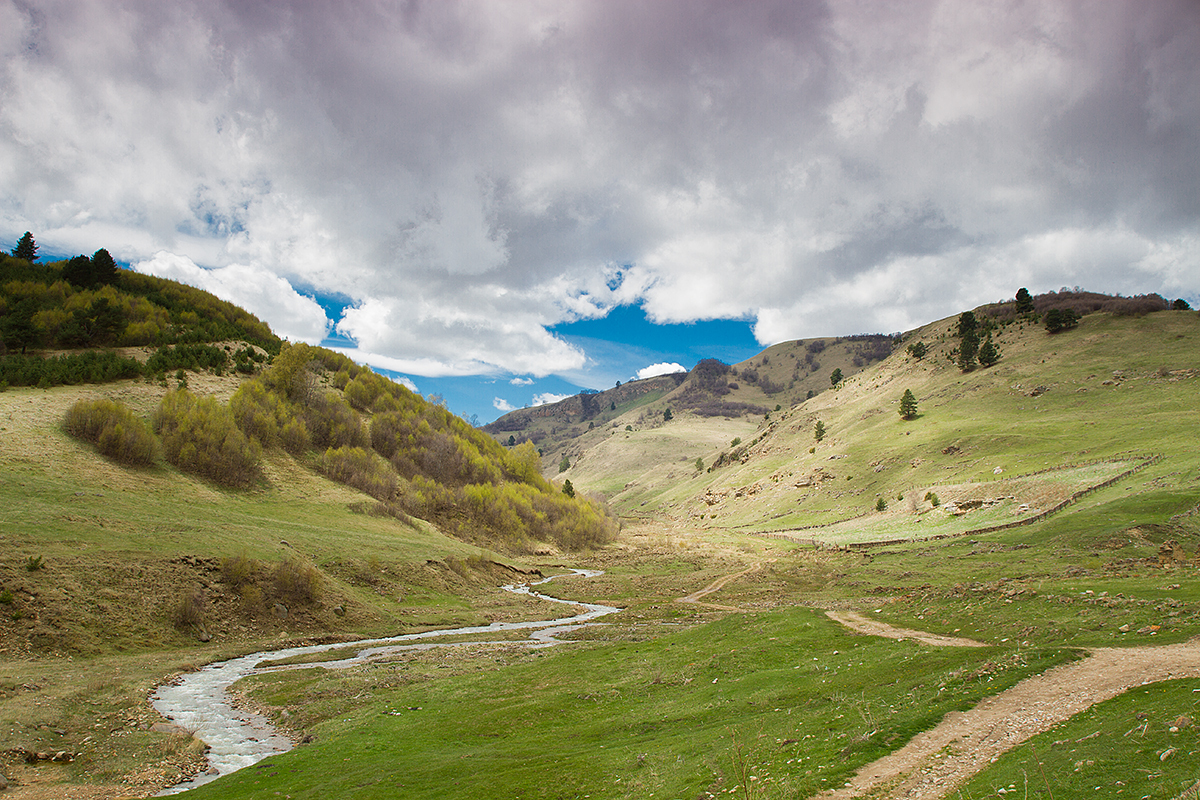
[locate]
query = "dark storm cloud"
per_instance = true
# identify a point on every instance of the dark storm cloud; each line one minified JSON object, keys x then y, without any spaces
{"x":471,"y":173}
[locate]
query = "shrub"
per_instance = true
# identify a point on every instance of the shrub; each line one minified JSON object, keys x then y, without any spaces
{"x":933,"y":499}
{"x":364,"y":470}
{"x":881,"y":504}
{"x":239,"y":570}
{"x":114,"y":429}
{"x":201,"y":437}
{"x":296,"y":582}
{"x":34,"y":563}
{"x":189,"y":610}
{"x":917,"y":350}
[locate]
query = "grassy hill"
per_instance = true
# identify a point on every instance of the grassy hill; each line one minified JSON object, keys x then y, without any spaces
{"x":623,"y":427}
{"x":1115,"y":390}
{"x":102,"y":566}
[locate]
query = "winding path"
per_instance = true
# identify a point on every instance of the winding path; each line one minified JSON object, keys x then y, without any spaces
{"x":935,"y":762}
{"x":939,"y":760}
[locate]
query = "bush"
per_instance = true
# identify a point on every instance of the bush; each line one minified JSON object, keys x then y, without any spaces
{"x":189,"y":610}
{"x":114,"y":429}
{"x":296,"y":582}
{"x":194,"y":357}
{"x":364,"y":470}
{"x":201,"y":437}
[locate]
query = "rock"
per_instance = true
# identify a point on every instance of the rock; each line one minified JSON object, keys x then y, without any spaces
{"x":1183,"y":722}
{"x":204,"y":635}
{"x":3,"y":783}
{"x":339,"y":611}
{"x":1124,"y":628}
{"x":1170,"y":751}
{"x":998,"y":471}
{"x":280,"y":610}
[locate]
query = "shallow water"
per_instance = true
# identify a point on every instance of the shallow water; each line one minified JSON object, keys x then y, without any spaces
{"x":198,"y":701}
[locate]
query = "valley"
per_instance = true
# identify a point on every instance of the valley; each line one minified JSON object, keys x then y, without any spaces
{"x":796,"y":609}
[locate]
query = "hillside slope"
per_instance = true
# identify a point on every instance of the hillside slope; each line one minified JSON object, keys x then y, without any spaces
{"x":1114,"y":389}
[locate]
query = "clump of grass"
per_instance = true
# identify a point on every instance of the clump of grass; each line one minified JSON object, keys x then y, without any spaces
{"x":115,"y":430}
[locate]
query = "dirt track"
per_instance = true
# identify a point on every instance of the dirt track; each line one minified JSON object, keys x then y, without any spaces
{"x":935,"y":762}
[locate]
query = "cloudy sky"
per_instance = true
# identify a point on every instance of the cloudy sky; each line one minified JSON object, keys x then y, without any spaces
{"x":504,"y":201}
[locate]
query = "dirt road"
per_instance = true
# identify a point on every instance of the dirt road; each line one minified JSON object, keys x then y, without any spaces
{"x":935,"y":762}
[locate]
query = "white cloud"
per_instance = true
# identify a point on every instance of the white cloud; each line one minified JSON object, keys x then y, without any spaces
{"x":500,"y":404}
{"x":470,"y":174}
{"x":664,"y":368}
{"x":259,"y":291}
{"x":548,"y":397}
{"x":522,"y":381}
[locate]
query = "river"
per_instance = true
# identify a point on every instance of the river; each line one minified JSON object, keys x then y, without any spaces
{"x":199,"y":701}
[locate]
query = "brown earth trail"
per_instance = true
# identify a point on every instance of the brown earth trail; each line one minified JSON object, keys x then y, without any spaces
{"x":937,"y":761}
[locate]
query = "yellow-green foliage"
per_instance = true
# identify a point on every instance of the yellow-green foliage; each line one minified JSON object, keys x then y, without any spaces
{"x":364,"y":470}
{"x":114,"y":429}
{"x":200,"y":436}
{"x":414,"y":456}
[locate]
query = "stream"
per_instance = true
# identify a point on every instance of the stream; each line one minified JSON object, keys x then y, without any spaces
{"x":198,"y":702}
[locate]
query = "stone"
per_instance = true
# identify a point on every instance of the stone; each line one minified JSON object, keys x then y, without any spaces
{"x":280,"y":610}
{"x":339,"y":611}
{"x":3,"y":783}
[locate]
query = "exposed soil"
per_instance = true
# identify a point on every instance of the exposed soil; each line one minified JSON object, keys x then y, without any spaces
{"x":935,"y":762}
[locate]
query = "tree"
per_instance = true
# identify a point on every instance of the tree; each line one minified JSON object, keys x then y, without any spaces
{"x":16,"y":326}
{"x":699,"y":465}
{"x":26,"y":248}
{"x":968,"y":349}
{"x":967,"y":323}
{"x":512,"y":440}
{"x":881,"y":504}
{"x":819,"y":430}
{"x":988,"y":353}
{"x":908,"y":405}
{"x":79,"y":272}
{"x":565,"y":464}
{"x":104,"y":268}
{"x":918,"y":350}
{"x":568,"y":489}
{"x":667,"y":415}
{"x":1059,"y":319}
{"x":1181,"y":305}
{"x":835,"y":377}
{"x":1024,"y":301}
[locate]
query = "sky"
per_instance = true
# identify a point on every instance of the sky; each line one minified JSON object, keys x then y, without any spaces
{"x":502,"y":203}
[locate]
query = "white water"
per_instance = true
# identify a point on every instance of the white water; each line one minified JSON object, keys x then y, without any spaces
{"x":198,"y":700}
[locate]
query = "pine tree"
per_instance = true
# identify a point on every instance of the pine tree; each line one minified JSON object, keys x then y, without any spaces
{"x":988,"y":353}
{"x":26,"y":248}
{"x":819,"y":431}
{"x":104,"y":268}
{"x":1024,"y":301}
{"x":908,"y":405}
{"x":836,"y":377}
{"x":968,"y":350}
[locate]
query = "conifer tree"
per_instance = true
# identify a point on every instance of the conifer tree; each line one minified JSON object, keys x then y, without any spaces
{"x":989,"y":354}
{"x":104,"y":268}
{"x":908,"y":405}
{"x":26,"y":248}
{"x":1024,"y":301}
